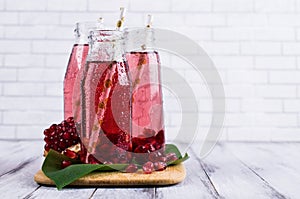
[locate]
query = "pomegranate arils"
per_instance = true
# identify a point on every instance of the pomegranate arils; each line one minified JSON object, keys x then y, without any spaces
{"x":154,"y":142}
{"x":112,"y":148}
{"x":61,"y":136}
{"x":132,"y":168}
{"x":70,"y":154}
{"x":155,"y":156}
{"x":70,"y":120}
{"x":148,"y":167}
{"x":162,"y":159}
{"x":160,"y":166}
{"x":65,"y":163}
{"x":53,"y":127}
{"x":66,"y":135}
{"x":140,"y":149}
{"x":170,"y":157}
{"x":82,"y":153}
{"x":46,"y":132}
{"x":93,"y":160}
{"x":47,"y":147}
{"x":160,"y":140}
{"x":149,"y":147}
{"x":149,"y":132}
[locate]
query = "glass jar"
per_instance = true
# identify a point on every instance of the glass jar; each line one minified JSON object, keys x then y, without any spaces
{"x":76,"y":61}
{"x":106,"y":100}
{"x":147,"y":105}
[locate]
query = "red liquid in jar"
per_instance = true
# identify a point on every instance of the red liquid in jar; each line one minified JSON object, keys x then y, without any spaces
{"x":76,"y":61}
{"x":147,"y":109}
{"x":106,"y":111}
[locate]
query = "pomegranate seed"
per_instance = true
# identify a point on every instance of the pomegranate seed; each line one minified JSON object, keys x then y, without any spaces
{"x":55,"y":148}
{"x":132,"y":168}
{"x":82,"y":156}
{"x":93,"y":160}
{"x":46,"y":139}
{"x":121,"y":155}
{"x":140,"y":149}
{"x":160,"y":140}
{"x":148,"y":167}
{"x":155,"y":156}
{"x":47,"y":132}
{"x":170,"y":157}
{"x":47,"y":147}
{"x":53,"y":127}
{"x":66,"y":135}
{"x":70,"y":154}
{"x":149,"y":147}
{"x":160,"y":166}
{"x":70,"y":120}
{"x":65,"y":163}
{"x":148,"y":133}
{"x":52,"y":133}
{"x":162,"y":159}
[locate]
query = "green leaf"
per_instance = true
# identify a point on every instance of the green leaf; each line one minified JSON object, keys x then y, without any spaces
{"x":171,"y":148}
{"x":63,"y":177}
{"x":180,"y":160}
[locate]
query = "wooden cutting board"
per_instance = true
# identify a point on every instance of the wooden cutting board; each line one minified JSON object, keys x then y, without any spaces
{"x":172,"y":175}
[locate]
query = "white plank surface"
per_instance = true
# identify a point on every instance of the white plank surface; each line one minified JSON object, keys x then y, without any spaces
{"x":233,"y":180}
{"x":19,"y":183}
{"x":52,"y":192}
{"x":123,"y":193}
{"x":232,"y":170}
{"x":277,"y":164}
{"x":15,"y":154}
{"x":196,"y":184}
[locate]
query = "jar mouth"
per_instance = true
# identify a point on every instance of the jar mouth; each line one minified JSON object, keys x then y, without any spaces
{"x":106,"y":35}
{"x":107,"y":31}
{"x":82,"y":29}
{"x":139,"y":39}
{"x":137,"y":28}
{"x":89,"y":25}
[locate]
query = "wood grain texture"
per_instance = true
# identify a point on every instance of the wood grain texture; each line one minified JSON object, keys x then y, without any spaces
{"x":276,"y":164}
{"x":19,"y":183}
{"x":232,"y":170}
{"x":51,"y":192}
{"x":132,"y":193}
{"x":17,"y":154}
{"x":196,"y":184}
{"x":172,"y":175}
{"x":232,"y":179}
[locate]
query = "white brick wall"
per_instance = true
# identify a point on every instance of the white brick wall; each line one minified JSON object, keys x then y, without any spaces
{"x":255,"y":44}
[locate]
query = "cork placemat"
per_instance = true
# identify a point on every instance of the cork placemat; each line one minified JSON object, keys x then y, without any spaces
{"x":172,"y":175}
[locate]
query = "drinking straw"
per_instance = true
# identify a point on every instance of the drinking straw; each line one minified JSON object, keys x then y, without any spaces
{"x":149,"y":21}
{"x":142,"y":59}
{"x":100,"y":20}
{"x":121,"y":19}
{"x":94,"y":134}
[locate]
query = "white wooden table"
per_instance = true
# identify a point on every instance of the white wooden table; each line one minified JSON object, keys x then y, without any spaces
{"x":232,"y":170}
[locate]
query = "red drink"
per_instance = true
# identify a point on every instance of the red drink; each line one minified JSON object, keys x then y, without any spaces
{"x":106,"y":100}
{"x":76,"y":61}
{"x":106,"y":111}
{"x":147,"y":109}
